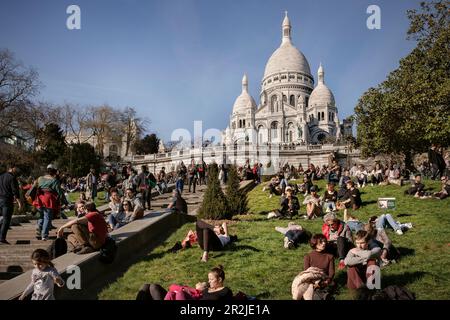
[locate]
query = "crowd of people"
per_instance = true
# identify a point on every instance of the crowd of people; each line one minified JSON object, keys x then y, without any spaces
{"x":355,"y":245}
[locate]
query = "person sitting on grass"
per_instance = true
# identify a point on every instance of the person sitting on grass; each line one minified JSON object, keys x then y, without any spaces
{"x":289,"y":205}
{"x":211,"y":238}
{"x":354,"y":224}
{"x":417,"y":187}
{"x":352,"y":199}
{"x":43,"y":277}
{"x":313,"y":204}
{"x":379,"y":238}
{"x":445,"y":189}
{"x":319,"y":258}
{"x":329,"y":198}
{"x":358,"y":259}
{"x":339,"y":237}
{"x":89,"y":232}
{"x":214,"y":291}
{"x":273,"y":187}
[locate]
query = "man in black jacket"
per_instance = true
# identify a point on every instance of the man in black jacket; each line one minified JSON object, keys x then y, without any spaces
{"x":9,"y":191}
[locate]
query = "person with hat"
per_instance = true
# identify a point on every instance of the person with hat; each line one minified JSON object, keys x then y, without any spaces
{"x":48,"y":199}
{"x":313,"y":204}
{"x":9,"y":192}
{"x":339,"y":237}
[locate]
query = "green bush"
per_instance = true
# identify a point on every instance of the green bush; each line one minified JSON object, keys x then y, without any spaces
{"x":214,"y":205}
{"x":236,"y":198}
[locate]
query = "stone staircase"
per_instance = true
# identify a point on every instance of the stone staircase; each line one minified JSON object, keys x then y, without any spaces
{"x":15,"y":258}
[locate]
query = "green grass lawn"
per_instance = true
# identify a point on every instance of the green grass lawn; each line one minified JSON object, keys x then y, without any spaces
{"x":259,"y":265}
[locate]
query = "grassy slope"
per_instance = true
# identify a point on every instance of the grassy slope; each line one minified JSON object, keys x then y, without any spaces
{"x":259,"y":265}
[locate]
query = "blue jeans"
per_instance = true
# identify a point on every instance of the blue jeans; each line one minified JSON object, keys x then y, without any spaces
{"x":386,"y":220}
{"x":6,"y":211}
{"x":180,"y":185}
{"x":329,"y":205}
{"x":45,"y":221}
{"x":116,"y":221}
{"x":355,"y":226}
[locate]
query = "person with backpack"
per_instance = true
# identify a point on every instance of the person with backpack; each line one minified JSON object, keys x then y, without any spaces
{"x":89,"y":232}
{"x":47,"y":202}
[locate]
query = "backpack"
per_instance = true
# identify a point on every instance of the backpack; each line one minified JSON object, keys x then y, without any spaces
{"x":108,"y":251}
{"x":57,"y":248}
{"x":399,"y":293}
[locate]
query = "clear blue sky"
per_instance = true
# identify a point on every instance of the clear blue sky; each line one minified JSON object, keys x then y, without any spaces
{"x":176,"y":61}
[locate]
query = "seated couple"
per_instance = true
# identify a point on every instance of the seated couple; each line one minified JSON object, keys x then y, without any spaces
{"x":124,"y":210}
{"x":214,"y":289}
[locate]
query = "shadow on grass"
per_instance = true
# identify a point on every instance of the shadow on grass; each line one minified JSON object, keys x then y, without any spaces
{"x":406,"y":251}
{"x":366,"y":203}
{"x":244,"y":247}
{"x":405,"y":215}
{"x":401,"y":279}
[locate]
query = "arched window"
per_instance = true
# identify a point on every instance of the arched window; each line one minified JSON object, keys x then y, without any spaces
{"x":240,"y":123}
{"x":273,"y":102}
{"x":243,"y":123}
{"x":284,"y":98}
{"x":306,"y":100}
{"x":260,"y":134}
{"x":233,"y":125}
{"x":274,"y":131}
{"x":318,"y":116}
{"x":292,"y":100}
{"x":290,"y":135}
{"x":323,"y":116}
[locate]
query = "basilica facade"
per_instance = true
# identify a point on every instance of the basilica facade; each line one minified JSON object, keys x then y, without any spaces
{"x":292,"y":109}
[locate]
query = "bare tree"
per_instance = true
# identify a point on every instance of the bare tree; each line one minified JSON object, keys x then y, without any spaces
{"x":133,"y":127}
{"x":18,"y":84}
{"x":105,"y":126}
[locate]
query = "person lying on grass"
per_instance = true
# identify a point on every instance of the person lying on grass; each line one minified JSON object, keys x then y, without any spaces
{"x":212,"y":238}
{"x":215,"y":290}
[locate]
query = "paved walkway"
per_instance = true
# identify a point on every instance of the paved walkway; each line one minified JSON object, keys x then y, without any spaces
{"x":15,"y":258}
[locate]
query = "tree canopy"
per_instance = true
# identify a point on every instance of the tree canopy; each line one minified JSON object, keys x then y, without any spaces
{"x":410,"y":110}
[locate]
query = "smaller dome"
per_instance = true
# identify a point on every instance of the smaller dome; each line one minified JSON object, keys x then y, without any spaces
{"x":244,"y":101}
{"x":321,"y":96}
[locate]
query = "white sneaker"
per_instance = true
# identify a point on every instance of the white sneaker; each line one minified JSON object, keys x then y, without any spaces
{"x":409,"y":225}
{"x":264,"y":189}
{"x":399,"y":232}
{"x":270,"y":196}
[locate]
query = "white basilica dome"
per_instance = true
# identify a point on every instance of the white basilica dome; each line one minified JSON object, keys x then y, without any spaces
{"x":321,"y":95}
{"x":287,"y":58}
{"x":245,"y":101}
